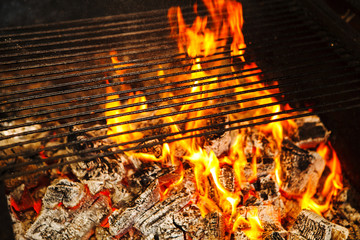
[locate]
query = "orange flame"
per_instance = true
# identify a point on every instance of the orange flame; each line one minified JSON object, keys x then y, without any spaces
{"x":333,"y":184}
{"x":255,"y":231}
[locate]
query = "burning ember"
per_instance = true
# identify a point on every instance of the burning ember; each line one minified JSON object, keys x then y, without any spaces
{"x":214,"y":175}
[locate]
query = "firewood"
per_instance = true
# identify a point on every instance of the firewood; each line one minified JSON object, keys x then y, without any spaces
{"x":314,"y":227}
{"x":310,"y":132}
{"x":215,"y":229}
{"x":121,"y":221}
{"x":240,"y":235}
{"x":190,"y":221}
{"x":168,"y":230}
{"x":300,"y":169}
{"x":62,"y":223}
{"x":149,"y":222}
{"x":274,"y":236}
{"x":63,"y":191}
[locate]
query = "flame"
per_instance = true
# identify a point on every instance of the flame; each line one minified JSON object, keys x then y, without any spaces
{"x":251,"y":219}
{"x":205,"y":37}
{"x":333,"y":183}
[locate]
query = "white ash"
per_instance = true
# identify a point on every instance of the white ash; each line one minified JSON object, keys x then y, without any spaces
{"x":32,"y":147}
{"x":219,"y":145}
{"x":122,"y":220}
{"x":149,"y":222}
{"x":67,"y":223}
{"x":314,"y":227}
{"x":191,"y":222}
{"x":215,"y":226}
{"x":63,"y":191}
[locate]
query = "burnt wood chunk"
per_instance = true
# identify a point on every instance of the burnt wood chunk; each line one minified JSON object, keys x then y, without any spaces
{"x":190,"y":221}
{"x":149,"y":222}
{"x":215,"y":226}
{"x":274,"y":236}
{"x":61,"y":223}
{"x":120,"y":221}
{"x":310,"y":133}
{"x":227,"y":178}
{"x":240,"y":235}
{"x":300,"y":169}
{"x":312,"y":226}
{"x":63,"y":191}
{"x":168,"y":230}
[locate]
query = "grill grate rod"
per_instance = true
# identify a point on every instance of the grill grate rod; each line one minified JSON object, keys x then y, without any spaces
{"x":161,"y":27}
{"x":127,"y":53}
{"x":307,"y":80}
{"x":17,"y":53}
{"x":156,"y":92}
{"x":291,"y":76}
{"x":171,"y":59}
{"x":148,"y":22}
{"x":204,"y":108}
{"x":98,"y":79}
{"x":330,"y":109}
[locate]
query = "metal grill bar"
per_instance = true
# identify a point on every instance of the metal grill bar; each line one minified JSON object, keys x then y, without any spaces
{"x":350,"y":90}
{"x":71,"y":45}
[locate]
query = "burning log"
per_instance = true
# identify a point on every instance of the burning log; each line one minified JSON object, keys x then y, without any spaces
{"x":274,"y":236}
{"x":311,"y":226}
{"x":310,"y":133}
{"x":300,"y":169}
{"x":218,"y":143}
{"x":151,"y":220}
{"x":215,"y":229}
{"x":66,"y":223}
{"x":63,"y":191}
{"x":190,"y":221}
{"x":121,"y":221}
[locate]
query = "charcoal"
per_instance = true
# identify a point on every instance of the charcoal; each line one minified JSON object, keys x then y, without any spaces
{"x":30,"y":148}
{"x":61,"y":223}
{"x":240,"y":235}
{"x":189,"y":219}
{"x":156,"y":149}
{"x":215,"y":226}
{"x":310,"y":132}
{"x":218,"y":144}
{"x":314,"y":227}
{"x":168,"y":230}
{"x":149,"y":222}
{"x":254,"y":139}
{"x":300,"y":169}
{"x":227,"y":178}
{"x":274,"y":236}
{"x":269,"y":216}
{"x":146,"y":174}
{"x":63,"y":191}
{"x":267,"y":189}
{"x":102,"y":234}
{"x":122,"y":220}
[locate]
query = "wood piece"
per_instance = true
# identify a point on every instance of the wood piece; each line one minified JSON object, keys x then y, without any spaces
{"x":122,"y":220}
{"x":149,"y":222}
{"x":61,"y":223}
{"x":63,"y":191}
{"x":168,"y":230}
{"x":300,"y":169}
{"x":215,"y":226}
{"x":218,"y":143}
{"x":240,"y":235}
{"x":227,"y":178}
{"x":312,"y":226}
{"x":190,"y":221}
{"x":274,"y":236}
{"x":310,"y":133}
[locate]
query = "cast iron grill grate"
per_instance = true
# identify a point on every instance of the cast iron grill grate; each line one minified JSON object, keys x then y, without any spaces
{"x":56,"y":75}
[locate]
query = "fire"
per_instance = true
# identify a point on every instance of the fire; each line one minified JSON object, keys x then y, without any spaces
{"x":205,"y":37}
{"x":333,"y":184}
{"x":251,"y":219}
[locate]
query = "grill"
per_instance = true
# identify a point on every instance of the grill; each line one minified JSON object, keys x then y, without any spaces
{"x":55,"y":76}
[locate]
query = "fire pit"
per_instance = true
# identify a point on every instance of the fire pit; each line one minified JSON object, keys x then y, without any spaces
{"x":192,"y":123}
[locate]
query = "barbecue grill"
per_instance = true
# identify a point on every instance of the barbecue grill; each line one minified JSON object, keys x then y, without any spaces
{"x":54,"y":79}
